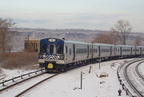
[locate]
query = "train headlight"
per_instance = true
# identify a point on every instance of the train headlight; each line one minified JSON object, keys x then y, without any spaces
{"x":44,"y":56}
{"x":60,"y":57}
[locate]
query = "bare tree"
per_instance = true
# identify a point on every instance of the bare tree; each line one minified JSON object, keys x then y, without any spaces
{"x":122,"y":28}
{"x":138,"y":40}
{"x":106,"y":37}
{"x":5,"y":34}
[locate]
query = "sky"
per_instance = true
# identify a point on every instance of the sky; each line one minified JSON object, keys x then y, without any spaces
{"x":74,"y":14}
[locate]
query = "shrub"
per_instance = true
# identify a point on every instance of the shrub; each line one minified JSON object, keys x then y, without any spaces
{"x":18,"y":59}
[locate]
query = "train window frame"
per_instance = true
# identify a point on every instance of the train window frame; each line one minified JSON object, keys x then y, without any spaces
{"x":51,"y":49}
{"x":59,"y":48}
{"x":41,"y":48}
{"x":105,"y":50}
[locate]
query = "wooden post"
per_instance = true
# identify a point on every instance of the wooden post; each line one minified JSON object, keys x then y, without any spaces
{"x":90,"y":69}
{"x":99,"y":63}
{"x":81,"y":81}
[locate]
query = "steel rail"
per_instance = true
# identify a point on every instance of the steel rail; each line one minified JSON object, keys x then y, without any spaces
{"x":23,"y":80}
{"x":137,"y":71}
{"x":18,"y":95}
{"x":129,"y":82}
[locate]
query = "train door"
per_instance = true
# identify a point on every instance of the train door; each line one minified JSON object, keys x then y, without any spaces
{"x":66,"y":52}
{"x":92,"y":51}
{"x":111,"y":51}
{"x":87,"y":51}
{"x":115,"y":50}
{"x":120,"y":50}
{"x":73,"y":52}
{"x":131,"y":51}
{"x":99,"y":51}
{"x":141,"y":51}
{"x":135,"y":50}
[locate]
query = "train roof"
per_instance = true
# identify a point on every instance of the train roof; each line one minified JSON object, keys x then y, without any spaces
{"x":124,"y":46}
{"x":67,"y":41}
{"x":140,"y":46}
{"x":77,"y":42}
{"x":102,"y":44}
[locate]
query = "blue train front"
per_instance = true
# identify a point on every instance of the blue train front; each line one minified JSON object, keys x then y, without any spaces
{"x":51,"y":54}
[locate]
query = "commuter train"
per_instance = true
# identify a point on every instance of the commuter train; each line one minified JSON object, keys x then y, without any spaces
{"x":59,"y":54}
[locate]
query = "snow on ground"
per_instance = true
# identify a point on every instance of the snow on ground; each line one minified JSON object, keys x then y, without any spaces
{"x":141,"y":68}
{"x":7,"y":74}
{"x":68,"y":84}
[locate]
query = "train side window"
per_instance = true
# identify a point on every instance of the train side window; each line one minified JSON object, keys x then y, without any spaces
{"x":77,"y":51}
{"x":95,"y":50}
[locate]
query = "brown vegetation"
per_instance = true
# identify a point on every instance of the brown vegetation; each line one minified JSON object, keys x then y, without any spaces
{"x":18,"y":60}
{"x":138,"y":41}
{"x":107,"y":38}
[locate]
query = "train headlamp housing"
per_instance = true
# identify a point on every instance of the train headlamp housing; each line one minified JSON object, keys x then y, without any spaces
{"x":52,"y":40}
{"x":60,"y":57}
{"x":44,"y":56}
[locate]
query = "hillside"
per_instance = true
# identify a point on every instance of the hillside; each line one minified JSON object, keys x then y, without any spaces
{"x":70,"y":34}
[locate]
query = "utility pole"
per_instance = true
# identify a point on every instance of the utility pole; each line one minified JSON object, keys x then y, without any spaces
{"x":90,"y":69}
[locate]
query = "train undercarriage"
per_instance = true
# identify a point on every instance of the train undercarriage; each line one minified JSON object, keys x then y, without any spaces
{"x":53,"y":67}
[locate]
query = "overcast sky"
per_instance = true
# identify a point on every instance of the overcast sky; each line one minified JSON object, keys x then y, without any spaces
{"x":74,"y":14}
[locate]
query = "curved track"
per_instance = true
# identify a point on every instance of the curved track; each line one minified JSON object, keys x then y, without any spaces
{"x":34,"y":85}
{"x":23,"y":85}
{"x":132,"y":79}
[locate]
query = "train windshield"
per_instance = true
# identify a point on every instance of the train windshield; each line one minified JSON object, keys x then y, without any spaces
{"x":55,"y":48}
{"x":51,"y":49}
{"x":43,"y":48}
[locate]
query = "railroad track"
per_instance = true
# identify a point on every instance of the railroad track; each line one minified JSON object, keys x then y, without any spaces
{"x":20,"y":84}
{"x":138,"y":72}
{"x":16,"y":87}
{"x":19,"y":79}
{"x":24,"y":91}
{"x":131,"y":79}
